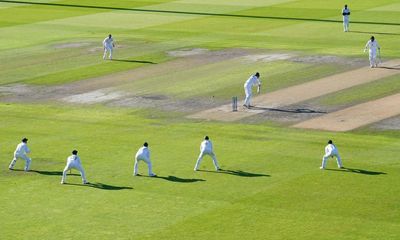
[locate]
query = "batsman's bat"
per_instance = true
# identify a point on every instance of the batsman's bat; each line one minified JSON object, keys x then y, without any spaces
{"x":379,"y":56}
{"x":259,"y":89}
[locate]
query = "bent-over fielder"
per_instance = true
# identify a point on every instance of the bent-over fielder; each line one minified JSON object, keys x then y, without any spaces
{"x":74,"y":161}
{"x":206,"y":148}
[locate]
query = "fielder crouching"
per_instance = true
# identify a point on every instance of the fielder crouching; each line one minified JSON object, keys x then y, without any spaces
{"x":21,"y":152}
{"x":74,"y":161}
{"x":143,"y":154}
{"x":206,"y":148}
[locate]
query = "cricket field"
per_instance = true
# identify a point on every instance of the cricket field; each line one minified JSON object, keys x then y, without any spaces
{"x":176,"y":66}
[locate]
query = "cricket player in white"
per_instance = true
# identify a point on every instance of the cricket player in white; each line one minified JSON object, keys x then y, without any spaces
{"x":346,"y":16}
{"x":74,"y":161}
{"x":143,"y":154}
{"x":331,"y":151}
{"x":206,"y":148}
{"x":252,"y":81}
{"x":374,"y":48}
{"x":108,"y":44}
{"x":20,"y":152}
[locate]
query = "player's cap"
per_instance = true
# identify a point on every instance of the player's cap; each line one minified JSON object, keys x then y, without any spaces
{"x":74,"y":152}
{"x":206,"y":138}
{"x":330,"y":142}
{"x":257,"y":74}
{"x":145,"y":144}
{"x":24,"y":140}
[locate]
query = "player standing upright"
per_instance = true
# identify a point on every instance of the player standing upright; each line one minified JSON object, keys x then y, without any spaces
{"x":346,"y":16}
{"x":374,"y":48}
{"x":108,"y":44}
{"x":252,"y":81}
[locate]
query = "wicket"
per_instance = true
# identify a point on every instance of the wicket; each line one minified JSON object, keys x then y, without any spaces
{"x":234,"y":104}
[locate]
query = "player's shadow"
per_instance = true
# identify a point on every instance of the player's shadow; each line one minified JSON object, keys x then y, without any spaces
{"x":53,"y":173}
{"x":181,"y":180}
{"x":97,"y":185}
{"x":297,"y":110}
{"x":391,"y":68}
{"x":239,"y":173}
{"x":358,"y":171}
{"x":133,"y":61}
{"x":375,"y":33}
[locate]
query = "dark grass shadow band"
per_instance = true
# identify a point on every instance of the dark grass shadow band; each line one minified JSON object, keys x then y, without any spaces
{"x":180,"y":180}
{"x":359,"y":171}
{"x":297,"y":110}
{"x":239,"y":173}
{"x":197,"y":13}
{"x":97,"y":185}
{"x":133,"y":61}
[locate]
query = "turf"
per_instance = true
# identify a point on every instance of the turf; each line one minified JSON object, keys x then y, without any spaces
{"x":363,"y":93}
{"x":271,"y":188}
{"x":272,"y":185}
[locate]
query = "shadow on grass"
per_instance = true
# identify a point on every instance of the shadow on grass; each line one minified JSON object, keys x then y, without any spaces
{"x":239,"y":173}
{"x":359,"y":171}
{"x":133,"y":61}
{"x":374,"y":33}
{"x":196,"y":13}
{"x":298,"y":110}
{"x":54,"y":173}
{"x":391,"y":68}
{"x":180,"y":180}
{"x":99,"y":186}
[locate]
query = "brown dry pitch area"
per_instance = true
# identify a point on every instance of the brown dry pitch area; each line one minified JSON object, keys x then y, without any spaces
{"x":296,"y":94}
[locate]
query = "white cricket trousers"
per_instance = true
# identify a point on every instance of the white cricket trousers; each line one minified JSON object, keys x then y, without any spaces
{"x":345,"y":24}
{"x":248,"y":92}
{"x":23,"y":157}
{"x":110,"y":49}
{"x":372,"y":59}
{"x":73,"y":165}
{"x":147,"y":161}
{"x":338,"y":159}
{"x":202,"y":154}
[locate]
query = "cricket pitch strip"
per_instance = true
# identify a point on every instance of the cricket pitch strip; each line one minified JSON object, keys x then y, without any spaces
{"x":303,"y":92}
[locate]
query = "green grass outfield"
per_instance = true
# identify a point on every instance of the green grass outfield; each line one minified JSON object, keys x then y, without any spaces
{"x":272,"y":187}
{"x":275,"y":189}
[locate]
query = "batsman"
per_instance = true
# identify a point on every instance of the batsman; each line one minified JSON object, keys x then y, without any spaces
{"x":374,"y":52}
{"x":254,"y":80}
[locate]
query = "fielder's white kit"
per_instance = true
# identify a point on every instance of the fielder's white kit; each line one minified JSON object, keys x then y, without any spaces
{"x":73,"y":161}
{"x":206,"y":148}
{"x":108,"y":44}
{"x":252,"y":81}
{"x":331,"y":151}
{"x":373,"y":47}
{"x":143,"y":154}
{"x":20,"y":152}
{"x":346,"y":18}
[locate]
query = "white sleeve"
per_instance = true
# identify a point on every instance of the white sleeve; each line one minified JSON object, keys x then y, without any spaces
{"x":367,"y":45}
{"x":327,"y":150}
{"x":27,"y":150}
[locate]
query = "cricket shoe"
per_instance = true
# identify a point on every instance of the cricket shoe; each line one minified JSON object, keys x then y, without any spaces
{"x":153,"y":175}
{"x":322,"y":168}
